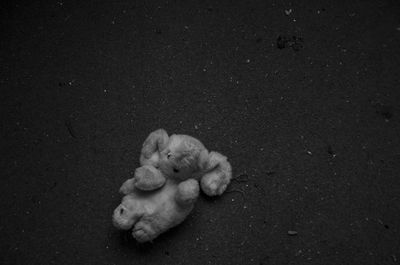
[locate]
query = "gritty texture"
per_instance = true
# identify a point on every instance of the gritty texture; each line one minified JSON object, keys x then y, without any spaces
{"x":313,"y":133}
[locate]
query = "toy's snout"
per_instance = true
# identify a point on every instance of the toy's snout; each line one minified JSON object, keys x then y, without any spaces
{"x":122,"y":218}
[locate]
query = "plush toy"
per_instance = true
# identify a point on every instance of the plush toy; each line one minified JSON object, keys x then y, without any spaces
{"x":164,"y":189}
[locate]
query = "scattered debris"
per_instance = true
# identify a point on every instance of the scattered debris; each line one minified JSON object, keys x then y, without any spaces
{"x":235,"y":190}
{"x":292,"y":233}
{"x":70,"y":129}
{"x":288,"y":12}
{"x":285,"y":41}
{"x":385,"y":111}
{"x":330,"y":151}
{"x":70,"y":83}
{"x":244,"y":177}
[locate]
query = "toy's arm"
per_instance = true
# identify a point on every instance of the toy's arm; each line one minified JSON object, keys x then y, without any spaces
{"x":187,"y":193}
{"x":146,"y":178}
{"x":218,"y":172}
{"x":152,"y":146}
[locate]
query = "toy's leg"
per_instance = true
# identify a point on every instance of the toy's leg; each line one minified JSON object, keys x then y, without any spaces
{"x":155,"y":143}
{"x":148,"y":178}
{"x":125,"y":217}
{"x":187,"y":193}
{"x":218,"y":176}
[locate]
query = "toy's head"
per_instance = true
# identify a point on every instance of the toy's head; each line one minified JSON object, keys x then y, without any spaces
{"x":123,"y":217}
{"x":180,"y":159}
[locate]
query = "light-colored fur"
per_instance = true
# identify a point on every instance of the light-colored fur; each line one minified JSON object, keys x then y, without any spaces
{"x":165,"y":188}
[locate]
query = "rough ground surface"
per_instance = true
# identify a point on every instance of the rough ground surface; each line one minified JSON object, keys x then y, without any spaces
{"x":303,"y":97}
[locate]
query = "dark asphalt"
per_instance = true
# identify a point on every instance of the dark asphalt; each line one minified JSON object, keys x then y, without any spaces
{"x":303,"y":97}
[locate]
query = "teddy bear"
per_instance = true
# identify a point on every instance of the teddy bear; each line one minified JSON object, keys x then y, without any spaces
{"x":165,"y":188}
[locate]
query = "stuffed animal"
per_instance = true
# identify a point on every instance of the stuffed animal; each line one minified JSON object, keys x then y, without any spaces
{"x":164,"y":189}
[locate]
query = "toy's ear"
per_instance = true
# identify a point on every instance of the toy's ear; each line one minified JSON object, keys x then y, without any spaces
{"x":218,"y":172}
{"x":154,"y":143}
{"x":192,"y":148}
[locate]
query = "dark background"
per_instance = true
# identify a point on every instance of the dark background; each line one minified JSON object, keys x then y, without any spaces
{"x":305,"y":103}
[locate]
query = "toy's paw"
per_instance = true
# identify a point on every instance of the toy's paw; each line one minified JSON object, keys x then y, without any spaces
{"x":127,"y":187}
{"x":213,"y":185}
{"x":143,"y":232}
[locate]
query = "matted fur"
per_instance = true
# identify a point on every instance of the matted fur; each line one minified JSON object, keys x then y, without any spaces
{"x":163,"y":193}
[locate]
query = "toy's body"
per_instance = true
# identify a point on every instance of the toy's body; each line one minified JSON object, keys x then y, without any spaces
{"x":166,"y":186}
